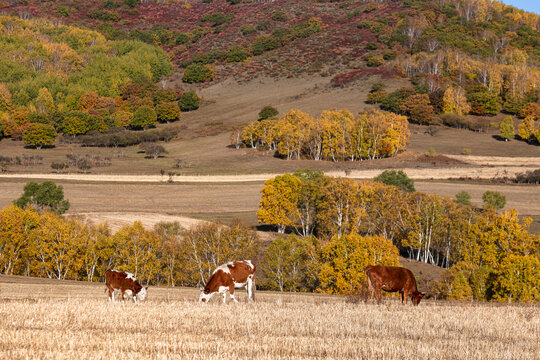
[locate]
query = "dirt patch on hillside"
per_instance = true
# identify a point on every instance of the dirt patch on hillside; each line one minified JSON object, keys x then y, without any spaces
{"x":496,"y":160}
{"x":230,"y":102}
{"x":116,"y":220}
{"x":439,"y":160}
{"x":424,"y":273}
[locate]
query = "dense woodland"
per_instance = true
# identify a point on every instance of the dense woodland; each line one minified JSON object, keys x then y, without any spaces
{"x":64,"y":79}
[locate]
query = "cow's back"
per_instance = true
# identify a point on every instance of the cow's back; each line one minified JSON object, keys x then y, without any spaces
{"x":229,"y":274}
{"x":241,"y":271}
{"x":392,"y":278}
{"x":122,"y":281}
{"x":111,"y":278}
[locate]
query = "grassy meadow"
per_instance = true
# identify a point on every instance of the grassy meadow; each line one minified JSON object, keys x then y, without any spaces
{"x":46,"y":319}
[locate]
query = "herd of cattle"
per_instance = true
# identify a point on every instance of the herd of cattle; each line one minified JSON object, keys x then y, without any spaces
{"x":238,"y":274}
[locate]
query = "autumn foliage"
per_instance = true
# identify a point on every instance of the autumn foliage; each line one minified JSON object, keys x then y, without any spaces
{"x":48,"y":245}
{"x":336,"y":135}
{"x":65,"y":79}
{"x":429,"y":228}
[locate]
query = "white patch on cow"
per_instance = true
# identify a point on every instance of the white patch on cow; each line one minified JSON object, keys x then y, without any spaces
{"x":224,"y":268}
{"x":205,"y":297}
{"x":130,"y":276}
{"x":249,"y":263}
{"x":223,"y":289}
{"x":141,"y":296}
{"x":239,"y":285}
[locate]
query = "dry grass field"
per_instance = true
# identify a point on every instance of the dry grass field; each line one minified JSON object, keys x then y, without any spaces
{"x":46,"y":319}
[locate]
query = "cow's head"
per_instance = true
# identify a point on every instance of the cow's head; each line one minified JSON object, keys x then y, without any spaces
{"x":205,"y":295}
{"x":141,"y":296}
{"x":416,"y":297}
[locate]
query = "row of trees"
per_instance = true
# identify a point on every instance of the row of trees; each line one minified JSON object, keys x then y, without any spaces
{"x":423,"y":227}
{"x":48,"y":245}
{"x":336,"y":135}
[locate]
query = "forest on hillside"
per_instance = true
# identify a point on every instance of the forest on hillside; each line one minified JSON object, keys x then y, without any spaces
{"x":65,"y":79}
{"x":462,"y":57}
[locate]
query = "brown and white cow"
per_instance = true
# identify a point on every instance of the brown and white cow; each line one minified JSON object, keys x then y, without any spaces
{"x":125,"y":283}
{"x":392,"y":279}
{"x":234,"y":274}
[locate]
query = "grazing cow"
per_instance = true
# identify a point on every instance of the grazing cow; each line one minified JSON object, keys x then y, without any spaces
{"x":228,"y":276}
{"x":392,"y":279}
{"x":124,"y":282}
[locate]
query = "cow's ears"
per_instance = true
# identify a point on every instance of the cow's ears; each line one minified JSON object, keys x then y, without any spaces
{"x":201,"y":288}
{"x":422,"y":294}
{"x":146,"y":288}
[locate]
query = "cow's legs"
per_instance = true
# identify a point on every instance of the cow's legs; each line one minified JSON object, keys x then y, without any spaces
{"x":377,"y":290}
{"x":404,"y":297}
{"x":224,"y":293}
{"x":111,"y":294}
{"x":231,"y":293}
{"x":401,"y":293}
{"x":369,"y":289}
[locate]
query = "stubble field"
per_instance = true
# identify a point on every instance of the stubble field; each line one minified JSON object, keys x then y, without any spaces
{"x":47,"y":319}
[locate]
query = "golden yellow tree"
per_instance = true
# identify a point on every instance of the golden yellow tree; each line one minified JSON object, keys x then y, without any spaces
{"x":340,"y":212}
{"x":44,"y":102}
{"x":454,"y":101}
{"x":527,"y":128}
{"x":56,"y":246}
{"x":16,"y":226}
{"x":517,"y":279}
{"x":279,"y":199}
{"x":251,"y":134}
{"x":344,"y":258}
{"x":335,"y":133}
{"x":138,"y":251}
{"x":5,"y":98}
{"x":94,"y":248}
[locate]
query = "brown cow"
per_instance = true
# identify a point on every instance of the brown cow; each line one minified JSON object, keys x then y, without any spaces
{"x":228,"y":276}
{"x":124,"y":282}
{"x":392,"y":279}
